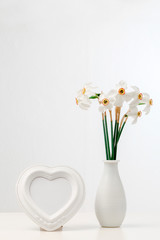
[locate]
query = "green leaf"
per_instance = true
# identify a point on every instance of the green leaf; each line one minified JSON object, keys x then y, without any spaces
{"x":96,"y":96}
{"x":141,"y":103}
{"x":93,"y":97}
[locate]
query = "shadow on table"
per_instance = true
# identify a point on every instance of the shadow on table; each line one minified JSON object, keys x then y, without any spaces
{"x":111,"y":234}
{"x":80,"y":228}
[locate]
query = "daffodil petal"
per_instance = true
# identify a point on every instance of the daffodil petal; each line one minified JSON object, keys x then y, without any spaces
{"x":134,"y":102}
{"x":147,"y":109}
{"x":119,"y":101}
{"x":146,"y":95}
{"x":135,"y":120}
{"x":122,"y":84}
{"x":130,"y":95}
{"x":136,"y":89}
{"x":101,"y":108}
{"x":112,"y":92}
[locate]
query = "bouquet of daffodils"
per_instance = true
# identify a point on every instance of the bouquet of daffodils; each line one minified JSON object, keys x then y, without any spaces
{"x":115,"y":99}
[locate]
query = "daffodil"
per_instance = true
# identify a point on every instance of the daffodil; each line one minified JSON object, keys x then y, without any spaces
{"x":87,"y":90}
{"x":115,"y":98}
{"x":120,"y":94}
{"x":134,"y":113}
{"x":137,"y":96}
{"x":149,"y":102}
{"x":106,"y":101}
{"x":83,"y":102}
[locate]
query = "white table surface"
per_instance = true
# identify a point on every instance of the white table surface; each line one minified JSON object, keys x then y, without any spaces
{"x":18,"y":226}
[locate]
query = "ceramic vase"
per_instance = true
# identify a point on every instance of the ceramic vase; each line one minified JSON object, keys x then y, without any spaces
{"x":110,"y":204}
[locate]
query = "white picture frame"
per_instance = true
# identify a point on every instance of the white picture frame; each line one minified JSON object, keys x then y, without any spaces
{"x":58,"y":219}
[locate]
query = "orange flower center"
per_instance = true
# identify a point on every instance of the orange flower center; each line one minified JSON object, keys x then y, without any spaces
{"x":83,"y":91}
{"x":150,"y":102}
{"x":139,"y":114}
{"x":140,"y":96}
{"x":121,"y":91}
{"x":105,"y":101}
{"x":76,"y":101}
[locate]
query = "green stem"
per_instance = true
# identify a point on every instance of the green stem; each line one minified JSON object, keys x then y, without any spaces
{"x":112,"y":141}
{"x":107,"y":136}
{"x":116,"y":140}
{"x":121,"y":129}
{"x":115,"y":130}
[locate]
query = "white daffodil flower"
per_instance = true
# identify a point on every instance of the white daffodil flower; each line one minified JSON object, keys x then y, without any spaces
{"x":87,"y":90}
{"x":148,"y":101}
{"x":134,"y":113}
{"x":83,"y":102}
{"x":137,"y":96}
{"x":106,"y":101}
{"x":120,"y":94}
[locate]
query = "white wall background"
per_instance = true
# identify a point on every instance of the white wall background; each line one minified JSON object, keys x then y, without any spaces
{"x":48,"y":50}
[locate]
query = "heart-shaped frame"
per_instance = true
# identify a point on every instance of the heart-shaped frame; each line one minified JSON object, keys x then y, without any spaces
{"x":58,"y":219}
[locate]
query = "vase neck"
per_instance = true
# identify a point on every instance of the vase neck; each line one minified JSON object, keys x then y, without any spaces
{"x":111,"y":161}
{"x":110,"y":166}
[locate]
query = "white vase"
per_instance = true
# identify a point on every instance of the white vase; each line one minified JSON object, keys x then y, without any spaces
{"x":110,"y":205}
